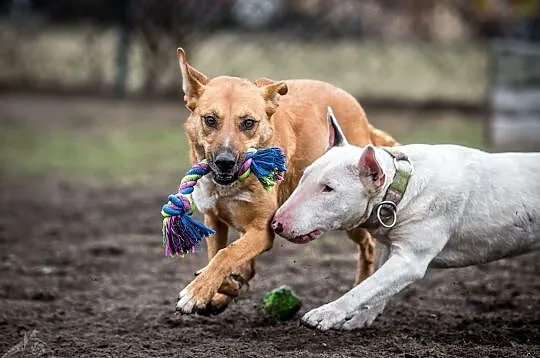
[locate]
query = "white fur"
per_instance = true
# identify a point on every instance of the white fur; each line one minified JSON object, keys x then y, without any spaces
{"x":462,"y":207}
{"x":203,"y":194}
{"x":226,"y":142}
{"x":207,"y":192}
{"x":243,"y":196}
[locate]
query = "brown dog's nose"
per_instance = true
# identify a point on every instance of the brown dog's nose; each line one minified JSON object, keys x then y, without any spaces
{"x":277,"y":226}
{"x":225,"y":161}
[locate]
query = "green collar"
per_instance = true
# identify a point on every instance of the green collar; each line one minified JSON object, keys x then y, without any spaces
{"x":385,"y":213}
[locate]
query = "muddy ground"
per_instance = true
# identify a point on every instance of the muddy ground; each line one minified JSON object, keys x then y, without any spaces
{"x":84,"y":268}
{"x":82,"y":274}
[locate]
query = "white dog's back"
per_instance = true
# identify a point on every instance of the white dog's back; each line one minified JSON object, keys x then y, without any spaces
{"x":490,"y":200}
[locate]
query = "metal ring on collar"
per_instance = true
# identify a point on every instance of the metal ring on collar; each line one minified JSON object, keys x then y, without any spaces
{"x":394,"y":213}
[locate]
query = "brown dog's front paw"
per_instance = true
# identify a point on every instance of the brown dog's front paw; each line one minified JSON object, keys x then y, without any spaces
{"x":197,"y":295}
{"x":217,"y":305}
{"x":234,"y":285}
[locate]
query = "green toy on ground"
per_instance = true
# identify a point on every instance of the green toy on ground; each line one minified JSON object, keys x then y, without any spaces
{"x":281,"y":303}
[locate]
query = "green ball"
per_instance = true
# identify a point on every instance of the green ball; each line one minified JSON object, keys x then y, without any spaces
{"x":281,"y":303}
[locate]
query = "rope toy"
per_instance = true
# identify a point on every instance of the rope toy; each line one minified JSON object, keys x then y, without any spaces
{"x":181,"y":233}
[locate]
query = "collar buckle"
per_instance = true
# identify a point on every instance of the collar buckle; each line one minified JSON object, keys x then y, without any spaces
{"x":387,"y":218}
{"x":392,"y":208}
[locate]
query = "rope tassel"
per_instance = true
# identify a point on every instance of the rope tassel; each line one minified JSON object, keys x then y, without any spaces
{"x":181,"y":233}
{"x":268,"y":165}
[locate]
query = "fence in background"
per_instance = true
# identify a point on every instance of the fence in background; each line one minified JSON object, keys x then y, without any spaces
{"x":515,"y":94}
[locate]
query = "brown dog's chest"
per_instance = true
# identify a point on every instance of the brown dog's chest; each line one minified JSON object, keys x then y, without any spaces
{"x":232,"y":204}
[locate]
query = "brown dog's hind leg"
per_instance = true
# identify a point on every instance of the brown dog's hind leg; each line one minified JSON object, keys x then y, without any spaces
{"x":365,"y":265}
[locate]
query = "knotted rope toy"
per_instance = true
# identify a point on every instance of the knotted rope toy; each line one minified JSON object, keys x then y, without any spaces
{"x":181,"y":233}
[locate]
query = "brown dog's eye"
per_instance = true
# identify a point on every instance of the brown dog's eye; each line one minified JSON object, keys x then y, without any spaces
{"x":210,"y":121}
{"x":327,"y":189}
{"x":247,"y":124}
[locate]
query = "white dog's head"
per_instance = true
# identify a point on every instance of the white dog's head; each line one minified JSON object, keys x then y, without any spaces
{"x":336,"y":192}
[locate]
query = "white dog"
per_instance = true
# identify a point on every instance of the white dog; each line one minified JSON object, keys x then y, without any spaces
{"x":428,"y":205}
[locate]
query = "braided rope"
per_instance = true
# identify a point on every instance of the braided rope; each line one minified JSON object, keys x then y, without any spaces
{"x":245,"y":170}
{"x":267,"y":164}
{"x":181,"y":233}
{"x":179,"y":206}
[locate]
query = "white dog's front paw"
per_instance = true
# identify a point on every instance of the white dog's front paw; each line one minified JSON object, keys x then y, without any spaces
{"x":363,"y":318}
{"x":330,"y":316}
{"x":326,"y":317}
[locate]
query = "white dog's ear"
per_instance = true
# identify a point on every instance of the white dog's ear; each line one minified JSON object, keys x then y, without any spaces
{"x":371,"y":173}
{"x":336,"y":138}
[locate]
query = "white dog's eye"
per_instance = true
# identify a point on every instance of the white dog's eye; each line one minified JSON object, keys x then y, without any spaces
{"x":327,"y":188}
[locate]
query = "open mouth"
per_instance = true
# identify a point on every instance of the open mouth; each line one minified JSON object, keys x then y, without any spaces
{"x":304,"y":239}
{"x":224,"y":179}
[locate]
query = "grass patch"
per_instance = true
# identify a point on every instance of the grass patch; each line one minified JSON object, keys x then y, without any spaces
{"x":137,"y":155}
{"x":89,"y":140}
{"x":458,"y":131}
{"x":146,"y":154}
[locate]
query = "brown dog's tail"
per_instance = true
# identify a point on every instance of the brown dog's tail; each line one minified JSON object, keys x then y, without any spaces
{"x":381,"y":138}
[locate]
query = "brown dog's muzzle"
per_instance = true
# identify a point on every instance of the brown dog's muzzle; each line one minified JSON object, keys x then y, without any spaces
{"x":225,"y":166}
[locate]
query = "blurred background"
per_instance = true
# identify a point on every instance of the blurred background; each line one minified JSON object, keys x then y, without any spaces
{"x":91,"y":144}
{"x":427,"y":71}
{"x":90,"y":90}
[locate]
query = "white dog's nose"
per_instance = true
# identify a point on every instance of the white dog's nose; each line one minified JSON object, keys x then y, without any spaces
{"x":277,"y":226}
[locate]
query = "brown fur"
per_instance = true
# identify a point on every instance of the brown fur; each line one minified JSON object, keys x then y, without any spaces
{"x":290,"y":114}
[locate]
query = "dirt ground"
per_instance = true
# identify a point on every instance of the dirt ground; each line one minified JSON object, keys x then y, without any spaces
{"x":85,"y":268}
{"x":82,"y":274}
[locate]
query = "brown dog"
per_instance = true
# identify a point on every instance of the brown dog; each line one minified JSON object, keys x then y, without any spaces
{"x":228,"y":116}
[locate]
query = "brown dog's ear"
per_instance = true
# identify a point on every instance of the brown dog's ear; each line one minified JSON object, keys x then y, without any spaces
{"x":193,"y":81}
{"x":336,"y":138}
{"x":261,"y":82}
{"x":371,"y":172}
{"x":271,"y":90}
{"x":274,"y":89}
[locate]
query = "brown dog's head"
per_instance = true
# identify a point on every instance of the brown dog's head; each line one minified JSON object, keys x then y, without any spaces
{"x":228,"y":116}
